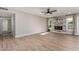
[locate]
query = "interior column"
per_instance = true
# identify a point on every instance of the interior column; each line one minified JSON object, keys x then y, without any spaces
{"x":74,"y":24}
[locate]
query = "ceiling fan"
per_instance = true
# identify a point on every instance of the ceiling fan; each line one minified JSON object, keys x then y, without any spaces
{"x":2,"y":8}
{"x":48,"y":11}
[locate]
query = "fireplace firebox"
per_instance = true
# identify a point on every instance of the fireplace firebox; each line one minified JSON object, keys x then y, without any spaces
{"x":58,"y":27}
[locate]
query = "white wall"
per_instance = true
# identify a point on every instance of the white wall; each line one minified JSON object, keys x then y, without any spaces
{"x":26,"y":24}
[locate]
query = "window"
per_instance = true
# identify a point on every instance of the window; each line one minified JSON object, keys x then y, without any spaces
{"x":69,"y":23}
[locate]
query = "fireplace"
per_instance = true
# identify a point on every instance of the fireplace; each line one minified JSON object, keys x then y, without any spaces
{"x":58,"y":27}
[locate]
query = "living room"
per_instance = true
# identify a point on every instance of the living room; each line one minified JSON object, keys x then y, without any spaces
{"x":42,"y":28}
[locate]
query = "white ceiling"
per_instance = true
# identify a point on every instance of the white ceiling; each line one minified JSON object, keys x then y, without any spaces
{"x":37,"y":10}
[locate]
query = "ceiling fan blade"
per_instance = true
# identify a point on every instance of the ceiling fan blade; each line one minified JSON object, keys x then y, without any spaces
{"x":54,"y":11}
{"x":3,"y":8}
{"x":45,"y":13}
{"x":50,"y":12}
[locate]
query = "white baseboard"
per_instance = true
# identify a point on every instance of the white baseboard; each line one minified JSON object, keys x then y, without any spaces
{"x":62,"y":32}
{"x":18,"y":36}
{"x":76,"y":34}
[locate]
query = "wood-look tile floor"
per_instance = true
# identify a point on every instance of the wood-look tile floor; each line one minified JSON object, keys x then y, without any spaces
{"x":37,"y":42}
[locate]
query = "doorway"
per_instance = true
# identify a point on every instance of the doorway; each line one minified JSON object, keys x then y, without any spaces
{"x":7,"y":26}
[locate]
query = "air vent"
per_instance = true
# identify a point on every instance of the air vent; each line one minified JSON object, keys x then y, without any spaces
{"x":1,"y":8}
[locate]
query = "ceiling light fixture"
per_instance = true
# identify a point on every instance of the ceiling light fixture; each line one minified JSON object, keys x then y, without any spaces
{"x":48,"y":11}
